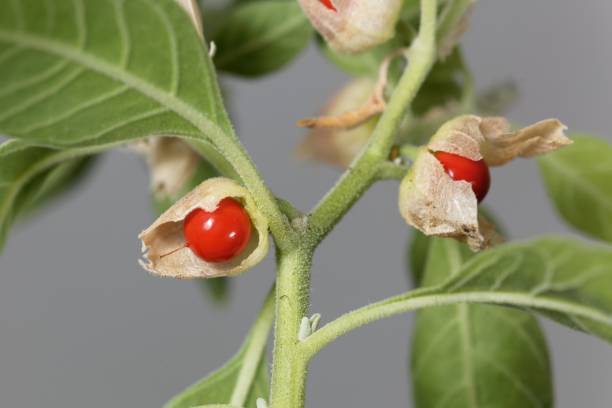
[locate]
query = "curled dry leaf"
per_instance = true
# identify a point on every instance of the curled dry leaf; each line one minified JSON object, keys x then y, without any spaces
{"x":357,"y":111}
{"x":353,"y":26}
{"x":431,"y":201}
{"x":164,"y":244}
{"x":490,"y":138}
{"x":336,"y":145}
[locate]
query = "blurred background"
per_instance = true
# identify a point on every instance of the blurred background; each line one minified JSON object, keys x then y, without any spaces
{"x":81,"y":324}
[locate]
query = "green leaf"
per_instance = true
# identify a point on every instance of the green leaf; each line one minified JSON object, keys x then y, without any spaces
{"x":418,"y":247}
{"x":217,"y":289}
{"x":564,"y":279}
{"x":475,"y":355}
{"x":34,"y":176}
{"x":578,"y":179}
{"x":443,"y":85}
{"x":90,"y":72}
{"x":218,"y":386}
{"x":242,"y":379}
{"x":260,"y":37}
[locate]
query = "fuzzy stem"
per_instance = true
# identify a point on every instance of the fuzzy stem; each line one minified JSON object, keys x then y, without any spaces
{"x":362,"y":172}
{"x":292,"y":299}
{"x":430,"y":297}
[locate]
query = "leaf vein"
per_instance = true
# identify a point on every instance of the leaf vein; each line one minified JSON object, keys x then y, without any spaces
{"x":42,"y":96}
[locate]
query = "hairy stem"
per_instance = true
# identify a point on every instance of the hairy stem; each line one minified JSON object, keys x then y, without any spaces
{"x":292,"y":298}
{"x":280,"y":227}
{"x":429,"y":297}
{"x":363,"y":171}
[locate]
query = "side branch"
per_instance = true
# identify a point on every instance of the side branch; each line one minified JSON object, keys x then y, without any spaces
{"x":363,"y":171}
{"x":429,"y":297}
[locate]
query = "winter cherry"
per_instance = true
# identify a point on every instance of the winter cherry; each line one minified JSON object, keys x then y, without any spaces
{"x":461,"y":168}
{"x":219,"y":235}
{"x":328,"y":4}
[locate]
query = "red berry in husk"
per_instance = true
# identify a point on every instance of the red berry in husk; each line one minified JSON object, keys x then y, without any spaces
{"x":219,"y":235}
{"x":461,"y":168}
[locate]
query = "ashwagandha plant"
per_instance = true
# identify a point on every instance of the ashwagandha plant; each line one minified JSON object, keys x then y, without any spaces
{"x":80,"y":77}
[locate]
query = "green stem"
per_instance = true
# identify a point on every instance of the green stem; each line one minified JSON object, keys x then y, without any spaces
{"x":208,"y":152}
{"x":362,"y":173}
{"x":254,"y":352}
{"x":292,"y":299}
{"x":284,"y":236}
{"x":429,"y":297}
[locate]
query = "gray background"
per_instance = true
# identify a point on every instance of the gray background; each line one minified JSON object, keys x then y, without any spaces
{"x":81,"y":325}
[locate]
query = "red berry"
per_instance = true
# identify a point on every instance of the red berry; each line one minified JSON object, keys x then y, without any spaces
{"x":461,"y":168}
{"x":328,"y":4}
{"x":219,"y":235}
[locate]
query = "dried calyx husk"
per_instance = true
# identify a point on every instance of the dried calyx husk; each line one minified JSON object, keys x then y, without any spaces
{"x":431,"y":201}
{"x":164,"y":247}
{"x":338,"y":145}
{"x":172,"y":163}
{"x":353,"y":26}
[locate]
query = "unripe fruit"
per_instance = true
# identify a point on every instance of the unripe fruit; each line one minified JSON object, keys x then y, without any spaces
{"x":219,"y":235}
{"x":461,"y":168}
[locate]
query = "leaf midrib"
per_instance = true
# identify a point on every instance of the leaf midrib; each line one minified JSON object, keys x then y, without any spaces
{"x":78,"y":56}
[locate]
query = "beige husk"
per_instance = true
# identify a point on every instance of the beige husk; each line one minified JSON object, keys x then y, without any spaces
{"x":163,"y":243}
{"x":336,"y":145}
{"x":437,"y":205}
{"x":350,"y":107}
{"x":490,"y":138}
{"x":172,"y":163}
{"x":356,"y":25}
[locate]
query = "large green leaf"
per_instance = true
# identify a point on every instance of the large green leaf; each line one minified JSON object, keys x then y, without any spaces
{"x":564,"y":279}
{"x":242,"y":379}
{"x":443,"y":85}
{"x":475,"y":355}
{"x":218,"y":386}
{"x":88,"y":72}
{"x":261,"y":37}
{"x":578,"y":179}
{"x":32,"y":176}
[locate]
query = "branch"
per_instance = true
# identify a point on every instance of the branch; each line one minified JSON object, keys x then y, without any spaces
{"x":362,"y":172}
{"x":429,"y":297}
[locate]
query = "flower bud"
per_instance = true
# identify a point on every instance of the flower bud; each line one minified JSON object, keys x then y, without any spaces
{"x":431,"y":201}
{"x":353,"y":26}
{"x":166,"y":252}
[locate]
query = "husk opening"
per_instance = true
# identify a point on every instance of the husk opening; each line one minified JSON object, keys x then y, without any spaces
{"x":164,"y":247}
